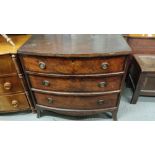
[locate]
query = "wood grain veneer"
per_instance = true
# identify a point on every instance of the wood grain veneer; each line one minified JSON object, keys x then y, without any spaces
{"x":66,"y":70}
{"x":76,"y":84}
{"x":74,"y":65}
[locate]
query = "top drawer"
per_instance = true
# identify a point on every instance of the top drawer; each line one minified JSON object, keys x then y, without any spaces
{"x":6,"y":65}
{"x":58,"y":65}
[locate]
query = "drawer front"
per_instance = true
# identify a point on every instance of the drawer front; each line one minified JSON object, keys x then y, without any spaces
{"x":74,"y":65}
{"x":6,"y":65}
{"x":10,"y":84}
{"x":12,"y":103}
{"x":76,"y":84}
{"x":149,"y":83}
{"x":77,"y":102}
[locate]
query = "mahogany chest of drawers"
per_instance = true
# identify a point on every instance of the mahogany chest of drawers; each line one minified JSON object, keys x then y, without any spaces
{"x":75,"y":74}
{"x":13,"y":94}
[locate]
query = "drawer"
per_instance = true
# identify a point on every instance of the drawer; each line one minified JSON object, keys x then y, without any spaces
{"x":13,"y":103}
{"x":10,"y":84}
{"x":76,"y":84}
{"x":6,"y":65}
{"x":59,"y":65}
{"x":77,"y":102}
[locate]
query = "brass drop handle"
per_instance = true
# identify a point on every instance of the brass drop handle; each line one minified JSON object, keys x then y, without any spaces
{"x":45,"y":83}
{"x":50,"y":100}
{"x":7,"y":85}
{"x":102,"y":84}
{"x":100,"y":102}
{"x":42,"y":65}
{"x":104,"y":65}
{"x":15,"y":103}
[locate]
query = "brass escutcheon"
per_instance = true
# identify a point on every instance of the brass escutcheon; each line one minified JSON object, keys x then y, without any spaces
{"x":105,"y":65}
{"x":50,"y":100}
{"x":100,"y":102}
{"x":102,"y":84}
{"x":42,"y":65}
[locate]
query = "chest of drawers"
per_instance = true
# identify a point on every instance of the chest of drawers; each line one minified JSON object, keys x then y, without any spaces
{"x":75,"y":74}
{"x":13,"y":94}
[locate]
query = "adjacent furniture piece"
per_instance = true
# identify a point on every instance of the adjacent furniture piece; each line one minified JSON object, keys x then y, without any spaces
{"x":75,"y":74}
{"x":142,"y":76}
{"x":141,"y":43}
{"x":13,"y":94}
{"x":8,"y":39}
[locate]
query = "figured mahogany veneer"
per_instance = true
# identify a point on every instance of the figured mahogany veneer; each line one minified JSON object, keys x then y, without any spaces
{"x":77,"y":102}
{"x":76,"y":74}
{"x":74,"y":65}
{"x":76,"y":84}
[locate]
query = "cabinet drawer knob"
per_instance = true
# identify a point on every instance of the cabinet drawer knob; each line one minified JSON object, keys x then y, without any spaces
{"x":50,"y":100}
{"x":102,"y":84}
{"x":42,"y":65}
{"x":100,"y":102}
{"x":45,"y":83}
{"x":105,"y":65}
{"x":7,"y":85}
{"x":15,"y":103}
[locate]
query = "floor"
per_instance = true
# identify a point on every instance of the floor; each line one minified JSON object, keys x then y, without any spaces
{"x":144,"y":110}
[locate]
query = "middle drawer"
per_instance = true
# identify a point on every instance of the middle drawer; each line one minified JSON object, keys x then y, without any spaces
{"x":76,"y":84}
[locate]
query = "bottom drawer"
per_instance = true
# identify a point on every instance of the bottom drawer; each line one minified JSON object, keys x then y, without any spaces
{"x":13,"y":103}
{"x":77,"y":102}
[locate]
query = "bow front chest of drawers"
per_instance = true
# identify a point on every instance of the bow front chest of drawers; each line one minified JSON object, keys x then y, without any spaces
{"x":75,"y":74}
{"x":13,"y":94}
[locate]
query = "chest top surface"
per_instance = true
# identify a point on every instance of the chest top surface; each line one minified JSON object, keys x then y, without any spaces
{"x":6,"y":48}
{"x":75,"y":45}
